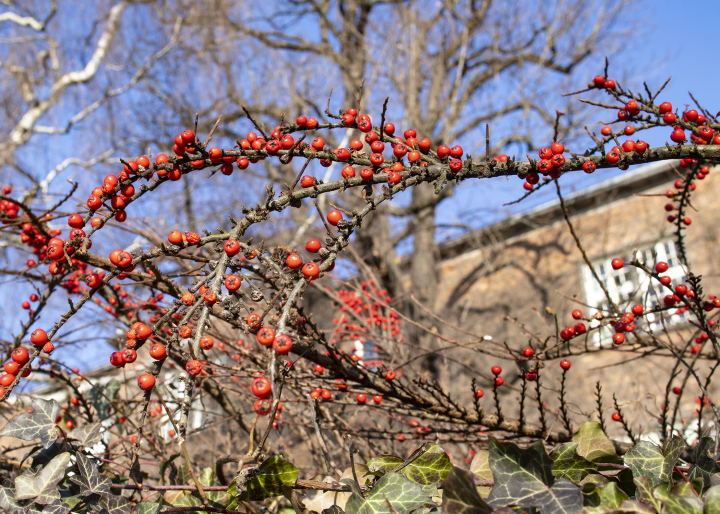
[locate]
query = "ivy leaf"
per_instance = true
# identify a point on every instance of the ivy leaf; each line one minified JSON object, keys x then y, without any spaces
{"x":633,"y":507}
{"x":42,"y":485}
{"x":100,"y":402}
{"x":112,"y":504}
{"x":38,"y":424}
{"x":430,"y":468}
{"x":568,"y":464}
{"x":649,"y":460}
{"x":217,"y":499}
{"x":403,"y":494}
{"x":269,"y":479}
{"x":705,"y":466}
{"x":7,"y":500}
{"x":712,"y":500}
{"x":147,"y":508}
{"x":460,"y":495}
{"x":56,"y":507}
{"x":90,"y":480}
{"x":322,"y":501}
{"x":164,"y":465}
{"x":593,"y":444}
{"x":184,"y":477}
{"x":681,"y":499}
{"x":87,"y":435}
{"x":644,"y":491}
{"x":604,"y":498}
{"x":524,"y":478}
{"x":480,"y":466}
{"x":383,"y":463}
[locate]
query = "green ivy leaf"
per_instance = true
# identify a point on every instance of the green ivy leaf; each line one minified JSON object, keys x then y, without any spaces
{"x":705,"y":466}
{"x":633,"y":507}
{"x":430,"y":468}
{"x":681,"y":499}
{"x":38,"y":424}
{"x":164,"y":465}
{"x":269,"y":479}
{"x":649,"y":460}
{"x":524,"y":478}
{"x":383,"y":463}
{"x":460,"y":495}
{"x":712,"y":500}
{"x":217,"y":499}
{"x":403,"y":494}
{"x":100,"y":402}
{"x":41,"y":486}
{"x":568,"y":464}
{"x":147,"y":508}
{"x":184,"y":477}
{"x":321,"y":501}
{"x":644,"y":491}
{"x":593,"y":444}
{"x":56,"y":507}
{"x":90,"y":480}
{"x":87,"y":435}
{"x":604,"y":498}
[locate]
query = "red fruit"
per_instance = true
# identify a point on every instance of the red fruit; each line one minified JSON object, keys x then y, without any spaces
{"x":616,"y":416}
{"x":577,"y":314}
{"x":528,"y":352}
{"x":565,"y":364}
{"x":193,"y":367}
{"x":262,"y":407}
{"x":612,"y":157}
{"x":361,"y":398}
{"x":610,"y":84}
{"x":348,"y":172}
{"x":146,"y":382}
{"x":443,"y":151}
{"x":282,"y":344}
{"x":606,"y":131}
{"x":589,"y":167}
{"x":665,"y":107}
{"x":334,"y":217}
{"x":377,"y":398}
{"x":599,"y":81}
{"x":313,"y":246}
{"x":545,"y":153}
{"x":129,"y":355}
{"x":677,"y":390}
{"x":158,"y":351}
{"x":618,"y":338}
{"x":232,"y":283}
{"x":231,"y":247}
{"x":294,"y":261}
{"x":617,"y":263}
{"x":20,"y":355}
{"x":640,"y":147}
{"x":311,"y":270}
{"x":12,"y":368}
{"x":496,"y":370}
{"x":116,"y":359}
{"x":499,"y":381}
{"x":188,"y":137}
{"x":661,"y":267}
{"x":39,"y":337}
{"x":265,"y":336}
{"x":206,"y":342}
{"x":261,"y":387}
{"x":253,"y":320}
{"x":678,"y":136}
{"x":557,"y":148}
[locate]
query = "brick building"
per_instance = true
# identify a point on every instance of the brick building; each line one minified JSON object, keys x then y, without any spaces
{"x":528,"y":266}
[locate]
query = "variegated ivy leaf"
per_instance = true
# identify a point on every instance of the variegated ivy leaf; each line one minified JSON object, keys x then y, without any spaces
{"x":90,"y":480}
{"x":460,"y":495}
{"x":268,"y":479}
{"x":102,"y":401}
{"x":429,"y":468}
{"x":704,"y":465}
{"x":87,"y":435}
{"x":38,"y":424}
{"x":568,"y":464}
{"x":56,"y":507}
{"x":147,"y":508}
{"x":41,"y":486}
{"x":7,"y":499}
{"x":593,"y":444}
{"x":393,"y":492}
{"x":649,"y":460}
{"x":524,"y":478}
{"x":681,"y":499}
{"x":111,"y":503}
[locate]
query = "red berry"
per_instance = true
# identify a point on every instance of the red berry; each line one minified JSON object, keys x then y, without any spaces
{"x":565,"y":364}
{"x":146,"y":382}
{"x":39,"y":337}
{"x":617,"y":263}
{"x":334,"y":217}
{"x":496,"y":370}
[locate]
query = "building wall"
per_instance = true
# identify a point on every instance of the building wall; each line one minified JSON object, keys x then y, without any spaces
{"x":507,"y":288}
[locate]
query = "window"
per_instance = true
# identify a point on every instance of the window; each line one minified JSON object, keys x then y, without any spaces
{"x":628,"y":286}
